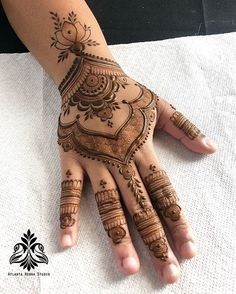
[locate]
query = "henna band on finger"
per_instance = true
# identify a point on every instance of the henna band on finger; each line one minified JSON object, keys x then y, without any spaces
{"x":112,"y":214}
{"x":162,"y":193}
{"x":151,"y":231}
{"x":182,"y":123}
{"x":69,"y":202}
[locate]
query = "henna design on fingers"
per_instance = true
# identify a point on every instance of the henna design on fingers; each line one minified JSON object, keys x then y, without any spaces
{"x":70,"y":35}
{"x":68,"y":173}
{"x":162,"y":193}
{"x":185,"y":125}
{"x":103,"y":184}
{"x":69,"y":203}
{"x":133,"y":183}
{"x":151,"y":231}
{"x":112,"y":215}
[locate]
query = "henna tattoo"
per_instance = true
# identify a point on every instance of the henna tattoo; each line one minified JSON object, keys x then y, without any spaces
{"x":112,"y":215}
{"x":172,"y":107}
{"x":112,"y":146}
{"x":162,"y":193}
{"x":70,"y":35}
{"x":151,"y":231}
{"x":185,"y":125}
{"x":69,"y":203}
{"x":98,"y":119}
{"x":90,"y":87}
{"x":133,"y":183}
{"x":103,"y":184}
{"x":68,"y":173}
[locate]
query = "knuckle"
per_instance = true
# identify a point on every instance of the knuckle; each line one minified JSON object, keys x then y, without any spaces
{"x":180,"y":228}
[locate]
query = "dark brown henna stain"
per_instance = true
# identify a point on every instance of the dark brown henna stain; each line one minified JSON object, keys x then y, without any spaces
{"x":115,"y":146}
{"x":133,"y":183}
{"x":151,"y":231}
{"x":103,"y":184}
{"x":162,"y":193}
{"x":112,"y":215}
{"x":172,"y":107}
{"x":68,"y":173}
{"x":69,"y":203}
{"x":91,"y":86}
{"x":185,"y":125}
{"x":70,"y":35}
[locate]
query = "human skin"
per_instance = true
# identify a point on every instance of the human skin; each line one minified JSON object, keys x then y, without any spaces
{"x":105,"y":132}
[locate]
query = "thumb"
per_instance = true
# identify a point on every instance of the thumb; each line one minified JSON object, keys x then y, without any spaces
{"x":179,"y":127}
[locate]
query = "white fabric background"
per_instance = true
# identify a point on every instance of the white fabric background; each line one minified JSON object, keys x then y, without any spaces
{"x":198,"y":76}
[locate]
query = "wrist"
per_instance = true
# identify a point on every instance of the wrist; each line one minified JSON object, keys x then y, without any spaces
{"x":89,"y":78}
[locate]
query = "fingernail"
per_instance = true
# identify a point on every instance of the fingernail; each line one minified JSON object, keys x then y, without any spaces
{"x":66,"y":240}
{"x":170,"y":273}
{"x":209,"y":143}
{"x":130,"y":263}
{"x":188,"y":249}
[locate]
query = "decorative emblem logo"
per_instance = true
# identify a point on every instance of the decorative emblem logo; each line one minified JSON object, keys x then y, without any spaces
{"x":29,"y":253}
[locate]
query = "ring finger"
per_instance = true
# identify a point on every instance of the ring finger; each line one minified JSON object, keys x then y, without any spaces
{"x":166,"y":202}
{"x":147,"y":221}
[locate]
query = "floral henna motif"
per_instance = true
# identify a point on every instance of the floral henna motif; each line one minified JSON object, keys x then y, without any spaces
{"x":185,"y":125}
{"x":162,"y":193}
{"x":112,"y":215}
{"x":70,"y":35}
{"x":69,"y":203}
{"x":151,"y":231}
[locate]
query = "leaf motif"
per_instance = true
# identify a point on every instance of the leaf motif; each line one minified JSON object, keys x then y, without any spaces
{"x":33,"y":240}
{"x":24,"y":240}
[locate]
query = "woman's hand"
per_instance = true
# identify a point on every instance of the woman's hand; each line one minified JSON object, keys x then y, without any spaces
{"x":105,"y":131}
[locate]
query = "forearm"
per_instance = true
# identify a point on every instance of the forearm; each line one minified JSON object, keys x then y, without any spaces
{"x":56,"y":31}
